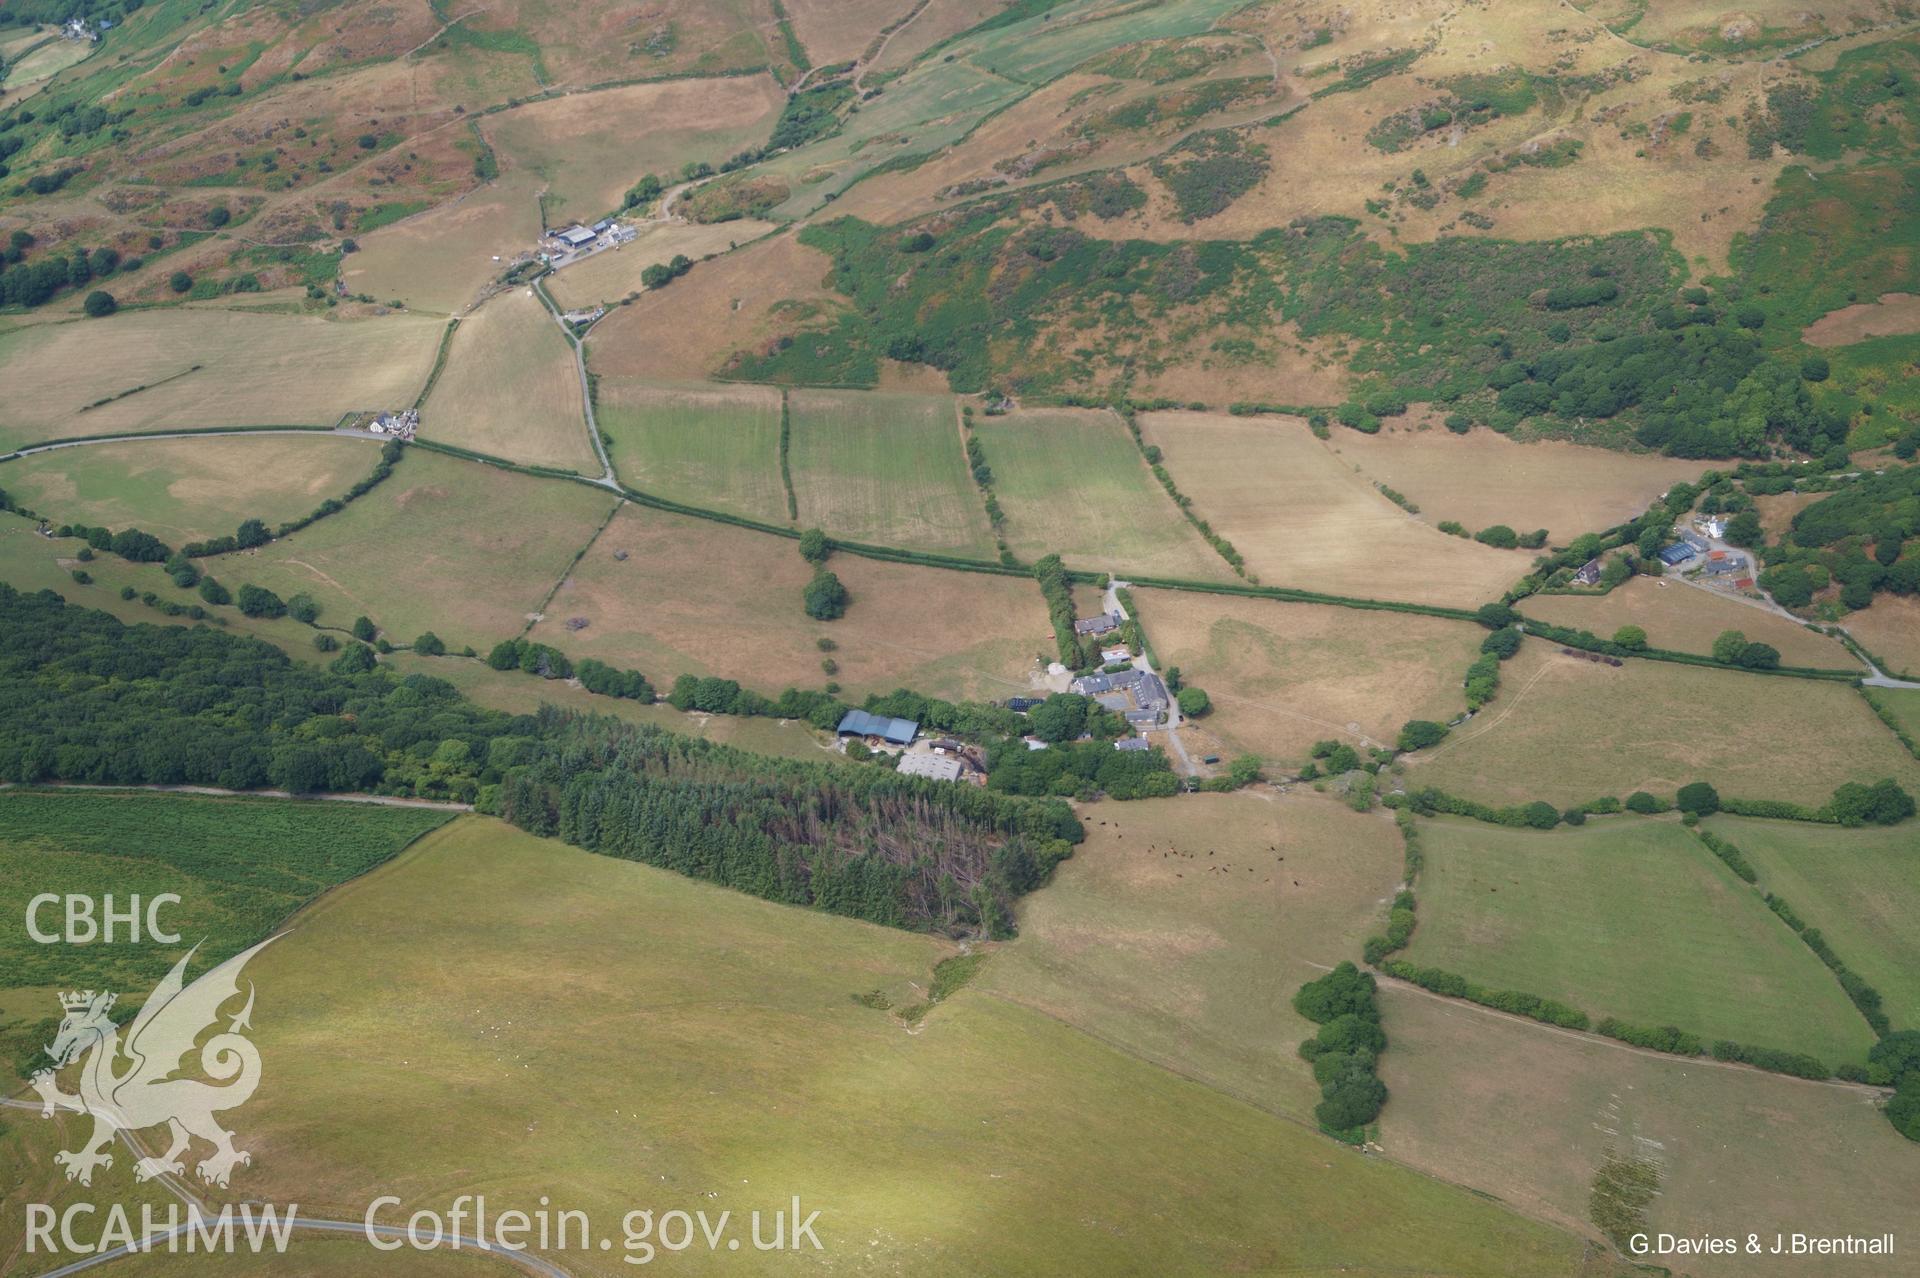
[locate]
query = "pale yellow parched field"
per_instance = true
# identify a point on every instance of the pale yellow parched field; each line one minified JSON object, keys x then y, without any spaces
{"x":703,"y":598}
{"x":1890,"y":630}
{"x":1688,"y":619}
{"x":1528,"y":1115}
{"x":183,"y":490}
{"x":255,"y":370}
{"x":442,"y":259}
{"x":834,"y":31}
{"x":612,"y":274}
{"x":1179,"y":930}
{"x":589,"y":148}
{"x":460,"y":548}
{"x":1566,"y":730}
{"x":1483,"y":478}
{"x":1283,"y":676}
{"x":1302,"y":517}
{"x":511,"y":388}
{"x":743,"y":300}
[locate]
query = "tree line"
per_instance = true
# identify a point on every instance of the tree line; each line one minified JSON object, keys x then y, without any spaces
{"x":862,"y":842}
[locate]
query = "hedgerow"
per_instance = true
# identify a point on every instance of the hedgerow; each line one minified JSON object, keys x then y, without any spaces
{"x":1518,"y":1002}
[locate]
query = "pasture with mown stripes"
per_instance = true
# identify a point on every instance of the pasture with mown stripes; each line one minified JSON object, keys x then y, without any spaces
{"x":1859,"y":887}
{"x":886,"y":469}
{"x":1566,"y":730}
{"x":1072,"y":481}
{"x":1630,"y":917}
{"x":712,"y":446}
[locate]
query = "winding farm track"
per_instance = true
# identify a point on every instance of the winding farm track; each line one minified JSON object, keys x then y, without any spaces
{"x":606,"y":479}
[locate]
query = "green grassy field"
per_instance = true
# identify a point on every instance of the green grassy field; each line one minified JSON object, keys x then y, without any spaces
{"x":712,"y":446}
{"x":1857,"y":886}
{"x":1528,"y":1115}
{"x":1568,"y":730}
{"x":886,"y":469}
{"x":183,"y":490}
{"x":1073,"y":482}
{"x":456,"y":547}
{"x":240,"y":867}
{"x":1903,"y":704}
{"x":1627,"y":917}
{"x":666,"y":1044}
{"x":253,"y":370}
{"x":1180,"y":928}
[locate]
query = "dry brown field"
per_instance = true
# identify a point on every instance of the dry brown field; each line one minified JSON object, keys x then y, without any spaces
{"x":1528,"y":1114}
{"x":1283,"y":676}
{"x":612,"y":274}
{"x":589,"y":148}
{"x":1631,"y":172}
{"x":703,"y":598}
{"x":940,"y":19}
{"x":463,"y":549}
{"x":442,"y":259}
{"x":511,"y":389}
{"x":1567,"y":730}
{"x":255,"y":370}
{"x":1892,"y":315}
{"x":1180,"y":928}
{"x":1890,"y":630}
{"x":745,"y":299}
{"x":1688,"y":619}
{"x":834,"y":31}
{"x":1304,"y":518}
{"x":1777,"y":511}
{"x":1484,"y":478}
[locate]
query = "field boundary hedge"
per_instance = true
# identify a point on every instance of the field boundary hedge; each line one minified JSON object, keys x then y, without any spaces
{"x":1894,"y":725}
{"x":439,"y":361}
{"x":136,"y":436}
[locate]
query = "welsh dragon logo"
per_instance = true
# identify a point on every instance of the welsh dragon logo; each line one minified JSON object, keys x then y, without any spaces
{"x":130,"y":1086}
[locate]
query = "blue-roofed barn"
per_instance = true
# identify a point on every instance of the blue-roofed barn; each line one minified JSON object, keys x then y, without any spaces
{"x":858,"y":723}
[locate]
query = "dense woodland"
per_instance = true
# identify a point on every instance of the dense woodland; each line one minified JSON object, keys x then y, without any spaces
{"x":863,"y":842}
{"x":84,"y":697}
